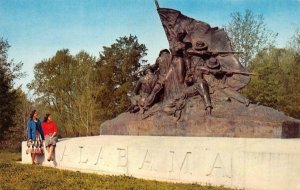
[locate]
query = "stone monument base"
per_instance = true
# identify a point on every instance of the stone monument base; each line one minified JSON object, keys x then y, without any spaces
{"x":228,"y":119}
{"x":249,"y":163}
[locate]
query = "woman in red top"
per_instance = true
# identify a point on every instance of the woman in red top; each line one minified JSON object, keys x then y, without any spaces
{"x":50,"y":132}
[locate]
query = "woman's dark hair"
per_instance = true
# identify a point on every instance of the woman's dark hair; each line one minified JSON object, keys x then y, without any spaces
{"x":31,"y":114}
{"x":46,"y":117}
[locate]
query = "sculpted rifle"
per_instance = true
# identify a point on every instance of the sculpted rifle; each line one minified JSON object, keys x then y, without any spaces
{"x":212,"y":53}
{"x":224,"y":71}
{"x":238,"y":72}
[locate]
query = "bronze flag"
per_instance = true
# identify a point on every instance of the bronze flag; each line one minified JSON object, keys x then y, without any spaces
{"x":217,"y":40}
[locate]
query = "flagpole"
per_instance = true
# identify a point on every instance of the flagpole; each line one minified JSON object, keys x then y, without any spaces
{"x":156,"y":3}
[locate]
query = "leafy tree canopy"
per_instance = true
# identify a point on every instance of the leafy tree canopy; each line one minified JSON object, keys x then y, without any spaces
{"x":248,"y":34}
{"x":295,"y":40}
{"x":277,"y":81}
{"x":116,"y":74}
{"x":81,"y":91}
{"x":65,"y":87}
{"x":8,"y":98}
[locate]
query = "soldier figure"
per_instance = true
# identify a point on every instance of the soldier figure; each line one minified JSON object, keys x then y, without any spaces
{"x":142,"y":90}
{"x":178,"y":50}
{"x":162,"y":66}
{"x":213,"y":67}
{"x":199,"y":86}
{"x":197,"y":55}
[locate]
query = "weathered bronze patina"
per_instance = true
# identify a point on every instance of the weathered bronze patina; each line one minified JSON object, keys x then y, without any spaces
{"x":193,"y":89}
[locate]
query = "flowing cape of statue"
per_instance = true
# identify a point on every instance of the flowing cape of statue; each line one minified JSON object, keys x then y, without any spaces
{"x":173,"y":22}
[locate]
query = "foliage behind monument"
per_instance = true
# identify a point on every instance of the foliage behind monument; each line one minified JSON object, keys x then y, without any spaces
{"x":277,"y":81}
{"x":248,"y":34}
{"x":8,"y":96}
{"x":116,"y":74}
{"x":81,"y":91}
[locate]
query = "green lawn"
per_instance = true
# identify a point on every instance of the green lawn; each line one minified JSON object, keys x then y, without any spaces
{"x":14,"y":175}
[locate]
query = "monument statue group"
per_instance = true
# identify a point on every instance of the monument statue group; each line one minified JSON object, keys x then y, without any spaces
{"x":199,"y":63}
{"x":193,"y":89}
{"x":192,"y":93}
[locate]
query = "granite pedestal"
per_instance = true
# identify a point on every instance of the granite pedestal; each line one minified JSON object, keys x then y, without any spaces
{"x":249,"y":163}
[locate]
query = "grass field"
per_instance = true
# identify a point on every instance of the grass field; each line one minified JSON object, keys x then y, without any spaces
{"x":14,"y":175}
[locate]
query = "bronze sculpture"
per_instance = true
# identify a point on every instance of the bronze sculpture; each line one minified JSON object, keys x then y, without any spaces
{"x":199,"y":57}
{"x":143,"y":89}
{"x":193,"y":89}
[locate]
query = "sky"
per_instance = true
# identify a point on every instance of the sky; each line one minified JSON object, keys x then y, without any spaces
{"x":36,"y":29}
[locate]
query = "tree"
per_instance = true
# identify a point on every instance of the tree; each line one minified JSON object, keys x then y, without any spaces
{"x":248,"y":34}
{"x":17,"y":132}
{"x":65,"y":86}
{"x":23,"y":108}
{"x":80,"y":92}
{"x":86,"y":93}
{"x":295,"y":41}
{"x":277,"y":81}
{"x":116,"y":70}
{"x":8,"y":98}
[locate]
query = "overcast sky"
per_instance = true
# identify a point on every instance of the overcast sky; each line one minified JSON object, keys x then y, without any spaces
{"x":36,"y":29}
